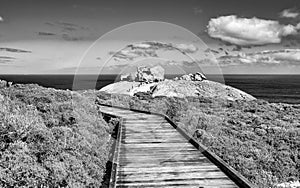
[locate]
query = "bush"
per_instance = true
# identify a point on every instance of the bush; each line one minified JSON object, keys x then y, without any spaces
{"x":51,"y":138}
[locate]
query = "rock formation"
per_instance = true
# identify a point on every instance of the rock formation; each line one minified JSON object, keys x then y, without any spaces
{"x":205,"y":88}
{"x":3,"y":84}
{"x":145,"y":74}
{"x":192,"y":77}
{"x":149,"y":83}
{"x":179,"y":88}
{"x":150,"y":75}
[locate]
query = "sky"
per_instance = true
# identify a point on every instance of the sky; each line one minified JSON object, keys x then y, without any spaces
{"x":224,"y":37}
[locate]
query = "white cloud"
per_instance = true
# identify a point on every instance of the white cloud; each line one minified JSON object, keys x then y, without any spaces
{"x":188,"y":48}
{"x":1,"y":19}
{"x":248,"y":31}
{"x":269,"y":57}
{"x":288,"y":13}
{"x":149,"y":49}
{"x":141,"y":46}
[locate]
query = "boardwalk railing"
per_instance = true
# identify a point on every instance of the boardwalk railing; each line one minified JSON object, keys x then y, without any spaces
{"x":235,"y":176}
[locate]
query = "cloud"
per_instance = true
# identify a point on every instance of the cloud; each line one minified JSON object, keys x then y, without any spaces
{"x":141,"y":46}
{"x":209,"y":50}
{"x":149,"y":49}
{"x":6,"y":59}
{"x":1,"y":19}
{"x":268,"y":57}
{"x":131,"y":54}
{"x":69,"y":31}
{"x":69,"y":37}
{"x":14,"y":50}
{"x":42,"y":33}
{"x":249,"y":31}
{"x":289,"y":13}
{"x":187,"y":48}
{"x":66,"y":26}
{"x":153,"y":45}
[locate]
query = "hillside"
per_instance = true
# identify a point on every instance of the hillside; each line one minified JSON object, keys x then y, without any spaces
{"x":51,"y":138}
{"x":179,"y":88}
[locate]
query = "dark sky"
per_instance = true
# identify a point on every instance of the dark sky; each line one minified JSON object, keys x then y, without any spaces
{"x":57,"y":31}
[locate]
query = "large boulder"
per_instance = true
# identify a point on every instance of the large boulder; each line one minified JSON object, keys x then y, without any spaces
{"x":158,"y":73}
{"x":192,"y":77}
{"x":149,"y":75}
{"x":3,"y":84}
{"x":199,"y":76}
{"x":145,"y":74}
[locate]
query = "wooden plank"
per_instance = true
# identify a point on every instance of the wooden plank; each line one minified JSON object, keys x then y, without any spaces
{"x":157,"y":128}
{"x":157,"y":156}
{"x":182,"y":186}
{"x":196,"y":181}
{"x":153,"y":155}
{"x":149,"y":141}
{"x":163,"y":163}
{"x":176,"y":185}
{"x":158,"y":176}
{"x":159,"y":145}
{"x":179,"y":169}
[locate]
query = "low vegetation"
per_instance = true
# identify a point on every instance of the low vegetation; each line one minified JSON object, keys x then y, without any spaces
{"x":51,"y":138}
{"x":261,"y":140}
{"x":55,"y":138}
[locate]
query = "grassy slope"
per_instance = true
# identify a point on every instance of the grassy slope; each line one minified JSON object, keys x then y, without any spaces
{"x":259,"y":139}
{"x":51,"y":138}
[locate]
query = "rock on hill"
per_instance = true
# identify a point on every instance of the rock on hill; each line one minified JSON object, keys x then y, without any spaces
{"x":145,"y":74}
{"x":179,"y":88}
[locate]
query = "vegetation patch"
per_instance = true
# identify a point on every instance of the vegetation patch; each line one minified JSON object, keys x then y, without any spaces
{"x":51,"y":138}
{"x":261,"y":140}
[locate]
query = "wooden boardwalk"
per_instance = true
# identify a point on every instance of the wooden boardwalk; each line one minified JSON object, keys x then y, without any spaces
{"x":152,"y":153}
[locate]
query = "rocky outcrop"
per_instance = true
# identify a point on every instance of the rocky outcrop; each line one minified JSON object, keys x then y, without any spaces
{"x":181,"y":89}
{"x":145,"y":74}
{"x":3,"y":83}
{"x":205,"y":88}
{"x":150,"y":82}
{"x":192,"y":77}
{"x":150,"y":75}
{"x":158,"y":73}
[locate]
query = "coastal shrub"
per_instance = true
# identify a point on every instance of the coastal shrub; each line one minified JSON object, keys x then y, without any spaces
{"x":51,"y":138}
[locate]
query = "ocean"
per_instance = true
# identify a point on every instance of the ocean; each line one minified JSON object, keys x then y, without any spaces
{"x":273,"y":88}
